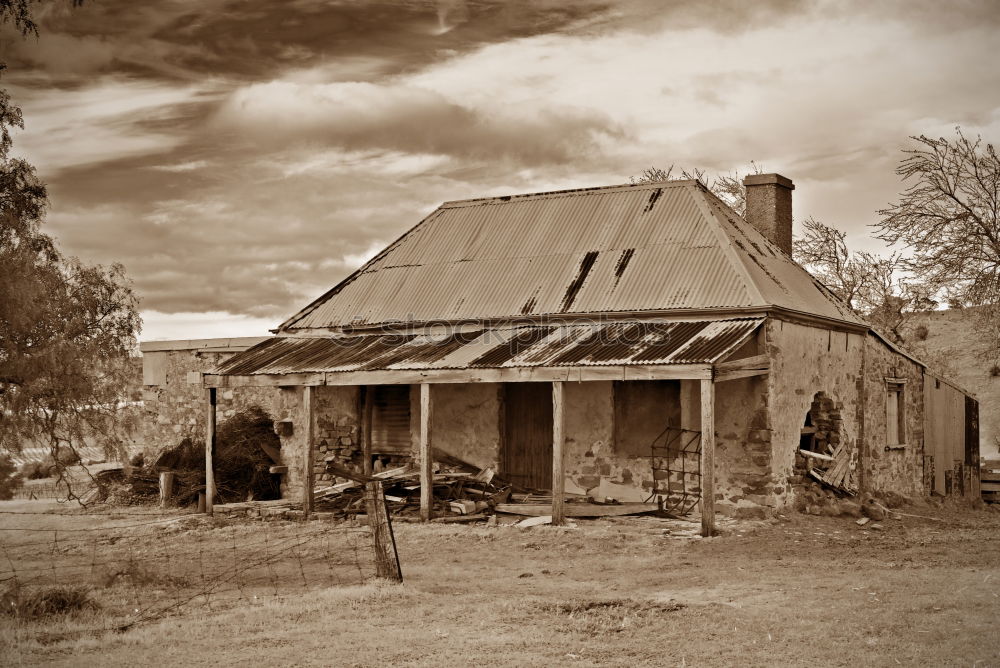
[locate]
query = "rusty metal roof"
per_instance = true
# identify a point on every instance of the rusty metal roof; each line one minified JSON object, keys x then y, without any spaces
{"x":651,"y":247}
{"x":621,"y":343}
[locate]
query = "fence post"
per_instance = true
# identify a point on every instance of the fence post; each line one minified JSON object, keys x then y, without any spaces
{"x":383,"y":540}
{"x":166,"y":488}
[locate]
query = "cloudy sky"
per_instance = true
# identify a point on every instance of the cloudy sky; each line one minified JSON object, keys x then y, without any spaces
{"x":241,"y":157}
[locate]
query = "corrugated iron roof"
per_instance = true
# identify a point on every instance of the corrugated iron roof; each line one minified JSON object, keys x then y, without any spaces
{"x":631,"y":343}
{"x":649,"y":247}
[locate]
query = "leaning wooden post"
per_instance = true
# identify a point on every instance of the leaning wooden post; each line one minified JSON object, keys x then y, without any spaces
{"x":210,"y":452}
{"x":707,"y":457}
{"x":558,"y":455}
{"x":308,"y":477}
{"x":383,"y":541}
{"x":426,"y":471}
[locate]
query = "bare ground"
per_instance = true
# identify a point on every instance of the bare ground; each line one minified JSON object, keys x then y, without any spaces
{"x":801,"y":590}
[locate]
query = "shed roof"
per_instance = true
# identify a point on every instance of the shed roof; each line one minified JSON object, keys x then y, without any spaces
{"x":596,"y":344}
{"x":666,"y":247}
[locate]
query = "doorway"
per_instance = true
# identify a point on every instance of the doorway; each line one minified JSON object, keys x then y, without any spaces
{"x":526,"y":452}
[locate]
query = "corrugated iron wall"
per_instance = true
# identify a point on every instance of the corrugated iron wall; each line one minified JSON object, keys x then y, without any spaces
{"x":948,"y":424}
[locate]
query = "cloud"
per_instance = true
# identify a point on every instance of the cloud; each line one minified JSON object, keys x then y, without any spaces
{"x":358,"y":115}
{"x":242,"y":157}
{"x":107,"y":120}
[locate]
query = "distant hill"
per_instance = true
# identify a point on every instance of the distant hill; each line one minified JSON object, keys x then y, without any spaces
{"x":952,"y":346}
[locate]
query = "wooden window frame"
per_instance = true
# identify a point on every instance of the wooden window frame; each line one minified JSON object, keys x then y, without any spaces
{"x":895,"y":386}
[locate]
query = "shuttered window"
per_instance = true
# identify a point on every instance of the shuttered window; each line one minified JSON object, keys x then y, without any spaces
{"x":390,"y":419}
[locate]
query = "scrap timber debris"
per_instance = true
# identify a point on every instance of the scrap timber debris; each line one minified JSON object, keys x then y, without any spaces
{"x":460,"y":490}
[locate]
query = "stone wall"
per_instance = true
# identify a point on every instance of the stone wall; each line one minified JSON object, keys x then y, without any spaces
{"x":335,"y":435}
{"x":898,"y":470}
{"x":813,"y":371}
{"x":174,"y":399}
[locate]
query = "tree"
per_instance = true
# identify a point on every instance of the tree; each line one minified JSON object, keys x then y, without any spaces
{"x":949,"y":219}
{"x":728,"y":188}
{"x":67,"y":329}
{"x":877,"y":288}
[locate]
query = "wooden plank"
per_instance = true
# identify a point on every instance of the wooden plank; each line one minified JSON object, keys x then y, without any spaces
{"x":707,"y":457}
{"x":816,"y":455}
{"x":577,"y":509}
{"x":308,"y":458}
{"x":210,"y":450}
{"x":266,"y":380}
{"x":989,"y":486}
{"x":740,"y":373}
{"x":755,"y":362}
{"x":748,"y":367}
{"x":383,"y":540}
{"x":426,"y":461}
{"x":558,"y":455}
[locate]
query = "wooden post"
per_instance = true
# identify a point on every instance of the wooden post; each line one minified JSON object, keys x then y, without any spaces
{"x":308,"y":477}
{"x":166,"y":488}
{"x":707,"y":457}
{"x":366,"y":427}
{"x":558,"y":455}
{"x":210,"y":453}
{"x":426,"y":472}
{"x":383,"y":540}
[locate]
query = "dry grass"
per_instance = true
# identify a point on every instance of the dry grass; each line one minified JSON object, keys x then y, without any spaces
{"x":808,"y":591}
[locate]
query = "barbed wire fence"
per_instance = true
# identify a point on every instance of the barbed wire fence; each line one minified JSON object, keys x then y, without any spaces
{"x":147,"y":569}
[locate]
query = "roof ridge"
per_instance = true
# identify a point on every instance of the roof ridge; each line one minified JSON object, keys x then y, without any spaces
{"x":726,"y":244}
{"x":545,"y":194}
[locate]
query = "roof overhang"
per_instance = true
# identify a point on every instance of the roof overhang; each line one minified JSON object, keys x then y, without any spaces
{"x":685,"y":349}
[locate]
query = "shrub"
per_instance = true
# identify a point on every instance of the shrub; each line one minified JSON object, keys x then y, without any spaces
{"x":921,"y":332}
{"x":67,"y":456}
{"x":10,"y":480}
{"x":45,"y":601}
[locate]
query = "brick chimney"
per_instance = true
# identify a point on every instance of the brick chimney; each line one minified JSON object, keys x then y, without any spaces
{"x":769,"y":207}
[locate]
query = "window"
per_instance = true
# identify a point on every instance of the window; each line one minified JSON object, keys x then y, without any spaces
{"x":895,"y":415}
{"x":643,"y":410}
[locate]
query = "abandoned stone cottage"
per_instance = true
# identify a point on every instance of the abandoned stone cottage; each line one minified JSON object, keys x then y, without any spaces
{"x":635,"y":342}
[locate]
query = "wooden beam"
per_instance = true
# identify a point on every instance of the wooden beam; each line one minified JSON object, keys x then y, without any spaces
{"x":308,"y":475}
{"x":558,"y":456}
{"x":265,"y":380}
{"x":758,"y":365}
{"x":426,"y":459}
{"x":210,"y":451}
{"x":521,"y":374}
{"x":367,"y":405}
{"x":707,"y":458}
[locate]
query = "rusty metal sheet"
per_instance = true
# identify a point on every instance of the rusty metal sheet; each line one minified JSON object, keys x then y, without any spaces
{"x":595,"y":344}
{"x":617,"y":249}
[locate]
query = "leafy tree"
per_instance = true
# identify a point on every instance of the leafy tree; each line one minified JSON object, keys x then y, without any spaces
{"x":949,"y":218}
{"x":66,"y":329}
{"x":10,"y":479}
